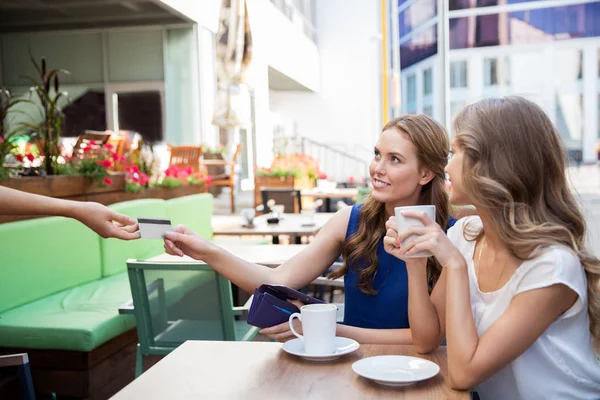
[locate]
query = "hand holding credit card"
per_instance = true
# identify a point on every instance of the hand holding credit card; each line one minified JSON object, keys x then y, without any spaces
{"x":154,"y":228}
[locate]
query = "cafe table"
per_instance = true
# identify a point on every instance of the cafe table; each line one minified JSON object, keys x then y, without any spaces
{"x":294,"y":225}
{"x":262,"y":370}
{"x":328,"y":194}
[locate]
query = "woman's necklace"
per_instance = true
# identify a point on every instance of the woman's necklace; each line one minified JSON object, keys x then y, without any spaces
{"x":483,"y":246}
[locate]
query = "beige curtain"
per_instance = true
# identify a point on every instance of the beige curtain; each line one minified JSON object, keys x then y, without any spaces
{"x":234,"y":50}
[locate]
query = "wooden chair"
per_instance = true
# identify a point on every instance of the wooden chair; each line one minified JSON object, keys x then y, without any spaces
{"x":186,"y":156}
{"x":228,"y":179}
{"x":87,"y":137}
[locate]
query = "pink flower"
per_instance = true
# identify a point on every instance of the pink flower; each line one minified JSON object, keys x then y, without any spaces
{"x":1,"y":139}
{"x":107,"y":181}
{"x":105,"y":163}
{"x":108,"y":146}
{"x":322,"y":175}
{"x":93,"y":143}
{"x":30,"y":157}
{"x":208,"y":180}
{"x":350,"y":179}
{"x":19,"y":158}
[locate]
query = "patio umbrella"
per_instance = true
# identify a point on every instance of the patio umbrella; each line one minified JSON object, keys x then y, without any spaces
{"x":234,"y":48}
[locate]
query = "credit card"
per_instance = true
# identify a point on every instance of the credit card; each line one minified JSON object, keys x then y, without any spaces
{"x":154,"y":228}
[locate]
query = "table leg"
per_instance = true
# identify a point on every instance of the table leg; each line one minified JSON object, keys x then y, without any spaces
{"x":328,"y":204}
{"x":298,"y":239}
{"x":275,"y":239}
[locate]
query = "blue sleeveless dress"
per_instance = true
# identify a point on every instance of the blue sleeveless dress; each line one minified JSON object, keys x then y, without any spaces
{"x":388,"y":309}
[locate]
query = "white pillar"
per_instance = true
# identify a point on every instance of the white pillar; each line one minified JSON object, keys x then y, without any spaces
{"x":590,"y":101}
{"x":443,"y":67}
{"x":262,"y":112}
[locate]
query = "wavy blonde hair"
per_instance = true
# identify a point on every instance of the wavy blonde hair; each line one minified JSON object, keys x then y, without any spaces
{"x":514,"y":168}
{"x":360,"y":250}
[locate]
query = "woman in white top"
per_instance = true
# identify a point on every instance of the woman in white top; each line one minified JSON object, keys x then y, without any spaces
{"x":519,"y":296}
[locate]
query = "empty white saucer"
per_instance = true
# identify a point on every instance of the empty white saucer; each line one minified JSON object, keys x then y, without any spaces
{"x":396,"y":370}
{"x":342,"y":346}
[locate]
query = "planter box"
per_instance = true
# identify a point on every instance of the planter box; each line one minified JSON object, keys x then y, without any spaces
{"x":270,"y":182}
{"x":62,"y":186}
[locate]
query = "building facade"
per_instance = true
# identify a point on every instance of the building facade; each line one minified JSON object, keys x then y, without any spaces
{"x":545,"y":50}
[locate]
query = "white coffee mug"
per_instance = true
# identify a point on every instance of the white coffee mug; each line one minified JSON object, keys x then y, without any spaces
{"x":318,"y":325}
{"x":248,"y":214}
{"x":404,"y":222}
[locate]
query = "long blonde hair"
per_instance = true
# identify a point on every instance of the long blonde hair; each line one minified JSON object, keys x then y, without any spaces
{"x":514,"y":169}
{"x":360,"y":249}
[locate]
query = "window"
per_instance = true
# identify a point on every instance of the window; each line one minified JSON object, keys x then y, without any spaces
{"x":458,"y":74}
{"x":525,"y":27}
{"x":418,"y":47}
{"x":411,"y":93}
{"x":427,"y":82}
{"x":490,"y":71}
{"x":428,"y":110}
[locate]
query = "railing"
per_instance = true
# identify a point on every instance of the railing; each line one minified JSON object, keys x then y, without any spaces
{"x":296,"y":13}
{"x":338,"y":164}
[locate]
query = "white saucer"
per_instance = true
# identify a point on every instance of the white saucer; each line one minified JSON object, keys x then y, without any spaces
{"x":342,"y":346}
{"x":396,"y":370}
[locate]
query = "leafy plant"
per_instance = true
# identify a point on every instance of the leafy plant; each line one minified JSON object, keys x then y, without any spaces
{"x":219,"y":149}
{"x":7,"y":138}
{"x":281,"y":173}
{"x":48,"y":132}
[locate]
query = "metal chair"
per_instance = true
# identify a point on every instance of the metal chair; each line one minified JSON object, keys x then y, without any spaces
{"x":18,"y":365}
{"x":179,"y":301}
{"x":290,"y":198}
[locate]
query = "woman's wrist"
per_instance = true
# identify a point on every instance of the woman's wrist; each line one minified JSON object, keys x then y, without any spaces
{"x":456,"y":262}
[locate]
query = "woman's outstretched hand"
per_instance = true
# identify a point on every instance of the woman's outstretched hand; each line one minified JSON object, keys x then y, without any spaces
{"x":183,"y":241}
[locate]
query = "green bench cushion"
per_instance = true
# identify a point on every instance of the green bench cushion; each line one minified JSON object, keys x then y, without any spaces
{"x":81,"y":318}
{"x":45,"y":256}
{"x":193,"y":211}
{"x":115,"y":252}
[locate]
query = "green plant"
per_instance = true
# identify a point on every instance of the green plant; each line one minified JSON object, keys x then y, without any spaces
{"x":281,"y":173}
{"x":169,"y":182}
{"x":3,"y":173}
{"x":219,"y":149}
{"x":94,"y":170}
{"x":7,"y":137}
{"x":48,"y":132}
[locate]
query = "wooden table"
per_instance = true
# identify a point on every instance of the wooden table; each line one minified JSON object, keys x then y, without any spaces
{"x":294,"y":225}
{"x":328,"y":194}
{"x":261,"y":370}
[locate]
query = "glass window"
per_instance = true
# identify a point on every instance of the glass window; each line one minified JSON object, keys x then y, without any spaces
{"x":416,"y":14}
{"x":411,"y":93}
{"x":506,"y":71}
{"x":526,"y":27}
{"x":462,"y":4}
{"x":458,"y":74}
{"x":428,"y":110}
{"x":569,"y":120}
{"x":490,"y":71}
{"x":419,"y":47}
{"x":427,"y":82}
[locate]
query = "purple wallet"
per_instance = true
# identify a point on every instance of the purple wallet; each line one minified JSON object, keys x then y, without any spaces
{"x":269,"y":306}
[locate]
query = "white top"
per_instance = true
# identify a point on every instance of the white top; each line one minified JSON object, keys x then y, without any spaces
{"x":561,"y":363}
